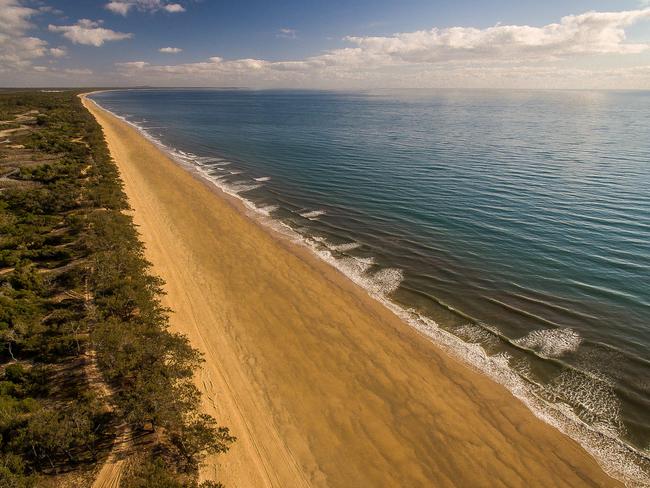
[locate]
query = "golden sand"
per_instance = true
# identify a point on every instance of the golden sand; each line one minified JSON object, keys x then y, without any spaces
{"x":321,"y":384}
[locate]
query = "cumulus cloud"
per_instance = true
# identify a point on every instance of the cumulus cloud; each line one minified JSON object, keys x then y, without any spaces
{"x":503,"y":53}
{"x":14,"y":17}
{"x":24,"y":59}
{"x":287,"y":33}
{"x":50,"y":10}
{"x":17,"y":49}
{"x":18,"y":52}
{"x":588,"y":33}
{"x":585,"y":50}
{"x":89,"y":33}
{"x":132,"y":65}
{"x":174,"y":8}
{"x":58,"y":52}
{"x":123,"y":7}
{"x":78,"y":71}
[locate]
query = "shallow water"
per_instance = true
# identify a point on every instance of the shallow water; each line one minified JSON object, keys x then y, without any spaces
{"x":515,"y":220}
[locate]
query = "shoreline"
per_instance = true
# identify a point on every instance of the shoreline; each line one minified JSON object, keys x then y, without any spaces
{"x":415,"y":377}
{"x":616,"y":457}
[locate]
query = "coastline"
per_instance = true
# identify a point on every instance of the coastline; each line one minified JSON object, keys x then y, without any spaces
{"x":322,"y":384}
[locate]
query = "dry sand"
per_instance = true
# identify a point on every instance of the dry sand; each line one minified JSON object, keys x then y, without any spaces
{"x":320,"y":383}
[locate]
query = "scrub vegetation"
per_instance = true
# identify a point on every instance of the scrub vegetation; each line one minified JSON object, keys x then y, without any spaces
{"x":87,"y":361}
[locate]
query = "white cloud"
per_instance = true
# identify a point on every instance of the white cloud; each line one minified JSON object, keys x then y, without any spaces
{"x":589,"y":33}
{"x":133,"y":64}
{"x":50,"y":10}
{"x":17,"y":50}
{"x":78,"y":71}
{"x":174,"y":8}
{"x":14,"y":17}
{"x":457,"y":56}
{"x":586,"y":50}
{"x":287,"y":33}
{"x":170,"y":50}
{"x":89,"y":33}
{"x":123,"y":7}
{"x":58,"y":52}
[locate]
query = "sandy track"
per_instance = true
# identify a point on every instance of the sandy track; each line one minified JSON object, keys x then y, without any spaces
{"x":110,"y":473}
{"x":320,"y":383}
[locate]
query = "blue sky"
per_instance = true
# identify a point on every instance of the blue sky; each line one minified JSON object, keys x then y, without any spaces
{"x":335,"y":43}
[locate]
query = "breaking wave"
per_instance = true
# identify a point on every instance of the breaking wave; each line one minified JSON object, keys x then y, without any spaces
{"x":551,"y":343}
{"x":312,"y":214}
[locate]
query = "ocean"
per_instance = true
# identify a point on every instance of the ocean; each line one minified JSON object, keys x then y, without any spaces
{"x":510,"y":227}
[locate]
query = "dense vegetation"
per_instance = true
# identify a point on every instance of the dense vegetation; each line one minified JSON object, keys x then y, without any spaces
{"x":77,"y":297}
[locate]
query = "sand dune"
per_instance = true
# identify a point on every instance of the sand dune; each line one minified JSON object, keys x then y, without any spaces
{"x":321,"y":384}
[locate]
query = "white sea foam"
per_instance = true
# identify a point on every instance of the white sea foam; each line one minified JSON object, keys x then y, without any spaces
{"x":244,"y":186}
{"x":262,"y":178}
{"x":267,"y":209}
{"x":348,"y":246}
{"x":476,"y":334}
{"x":233,"y":188}
{"x":601,"y":439}
{"x":240,"y":186}
{"x":385,"y":281}
{"x":551,"y":343}
{"x":353,"y":268}
{"x":379,"y":283}
{"x":597,"y":400}
{"x":312,"y":214}
{"x":207,"y":159}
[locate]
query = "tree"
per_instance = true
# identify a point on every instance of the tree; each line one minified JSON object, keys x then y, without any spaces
{"x":198,"y":436}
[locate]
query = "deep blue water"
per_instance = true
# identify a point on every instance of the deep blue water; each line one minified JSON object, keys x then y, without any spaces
{"x":518,"y":220}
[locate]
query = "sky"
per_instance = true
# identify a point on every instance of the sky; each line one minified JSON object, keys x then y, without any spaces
{"x":332,"y":44}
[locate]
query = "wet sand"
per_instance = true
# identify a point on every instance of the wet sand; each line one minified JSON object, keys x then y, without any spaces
{"x":322,"y":385}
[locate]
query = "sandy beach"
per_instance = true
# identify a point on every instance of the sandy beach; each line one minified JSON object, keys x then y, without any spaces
{"x":321,"y":384}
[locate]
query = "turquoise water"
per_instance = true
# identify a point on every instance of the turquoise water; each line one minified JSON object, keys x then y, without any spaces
{"x":515,"y":221}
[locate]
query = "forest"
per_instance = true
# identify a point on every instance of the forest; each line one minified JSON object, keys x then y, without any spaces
{"x":89,"y":370}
